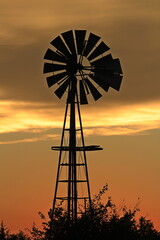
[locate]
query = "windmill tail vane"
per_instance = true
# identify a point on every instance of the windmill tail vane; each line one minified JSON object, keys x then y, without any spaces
{"x":79,"y":64}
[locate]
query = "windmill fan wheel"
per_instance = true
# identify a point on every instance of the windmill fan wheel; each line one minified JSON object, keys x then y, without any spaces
{"x":81,"y":59}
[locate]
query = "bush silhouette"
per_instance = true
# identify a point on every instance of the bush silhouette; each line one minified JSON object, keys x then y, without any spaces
{"x":106,"y":223}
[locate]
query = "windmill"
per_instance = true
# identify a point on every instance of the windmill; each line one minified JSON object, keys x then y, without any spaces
{"x":79,"y":63}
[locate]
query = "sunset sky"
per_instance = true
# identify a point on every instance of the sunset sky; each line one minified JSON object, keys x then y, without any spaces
{"x":126,"y":123}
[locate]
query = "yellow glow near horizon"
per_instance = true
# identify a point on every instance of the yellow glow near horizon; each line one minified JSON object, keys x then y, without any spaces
{"x":124,"y":120}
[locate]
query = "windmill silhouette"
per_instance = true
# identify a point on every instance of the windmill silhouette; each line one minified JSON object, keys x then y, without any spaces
{"x":78,"y":63}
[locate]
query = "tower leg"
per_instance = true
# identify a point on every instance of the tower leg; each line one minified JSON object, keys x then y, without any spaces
{"x":84,"y":155}
{"x":59,"y":162}
{"x":72,"y":175}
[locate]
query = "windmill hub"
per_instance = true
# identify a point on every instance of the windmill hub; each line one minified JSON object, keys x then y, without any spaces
{"x":80,"y":66}
{"x":74,"y":67}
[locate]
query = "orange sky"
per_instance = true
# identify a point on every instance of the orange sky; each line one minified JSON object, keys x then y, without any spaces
{"x":126,"y":123}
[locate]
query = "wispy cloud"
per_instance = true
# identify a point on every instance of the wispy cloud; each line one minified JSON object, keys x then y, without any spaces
{"x":21,"y":116}
{"x":41,"y":120}
{"x":24,"y":139}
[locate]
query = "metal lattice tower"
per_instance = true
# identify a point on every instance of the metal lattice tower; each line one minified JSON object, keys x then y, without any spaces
{"x":80,"y":65}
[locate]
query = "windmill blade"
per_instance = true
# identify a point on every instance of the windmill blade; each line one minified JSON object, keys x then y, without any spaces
{"x":83,"y":98}
{"x":101,"y":62}
{"x":107,"y":63}
{"x":55,"y":78}
{"x":69,"y":39}
{"x":101,"y":48}
{"x":113,"y":80}
{"x":92,"y":40}
{"x":59,"y":44}
{"x":80,"y":37}
{"x":116,"y":82}
{"x":51,"y":55}
{"x":72,"y":64}
{"x":95,"y":93}
{"x":102,"y":83}
{"x":60,"y":91}
{"x":117,"y":66}
{"x":104,"y":75}
{"x":51,"y":67}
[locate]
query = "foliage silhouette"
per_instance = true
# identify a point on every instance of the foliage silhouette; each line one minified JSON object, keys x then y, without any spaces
{"x":6,"y":235}
{"x":107,"y":222}
{"x":4,"y":231}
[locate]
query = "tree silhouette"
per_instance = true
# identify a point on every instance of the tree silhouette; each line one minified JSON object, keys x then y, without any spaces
{"x":4,"y":231}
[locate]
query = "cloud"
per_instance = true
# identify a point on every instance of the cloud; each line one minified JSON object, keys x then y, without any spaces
{"x":19,"y":116}
{"x":28,"y":122}
{"x":131,"y":29}
{"x":24,"y":138}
